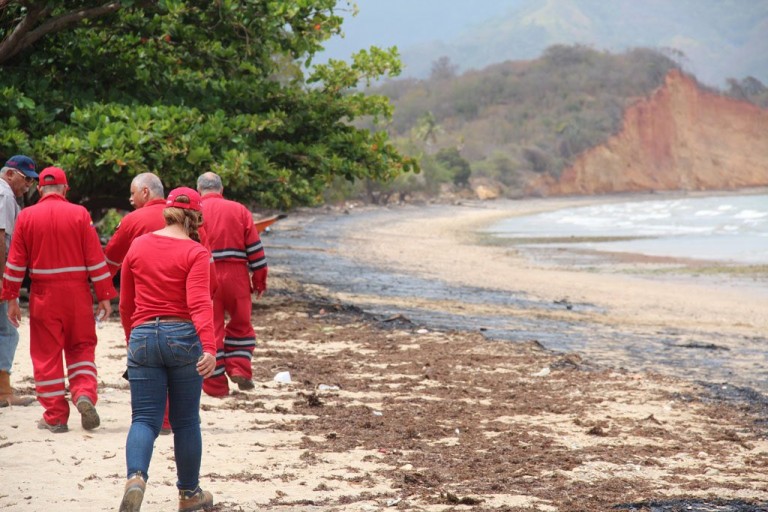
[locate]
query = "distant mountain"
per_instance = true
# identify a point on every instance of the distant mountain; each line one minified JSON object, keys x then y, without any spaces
{"x":712,"y":39}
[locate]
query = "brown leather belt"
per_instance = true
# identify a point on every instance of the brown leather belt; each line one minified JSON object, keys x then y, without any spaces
{"x":166,"y":319}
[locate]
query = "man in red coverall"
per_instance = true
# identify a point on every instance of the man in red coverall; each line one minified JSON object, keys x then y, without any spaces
{"x":57,"y":242}
{"x":236,"y":248}
{"x":147,"y":196}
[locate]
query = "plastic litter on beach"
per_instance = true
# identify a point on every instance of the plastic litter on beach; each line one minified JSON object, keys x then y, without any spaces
{"x":283,"y":377}
{"x":541,"y":373}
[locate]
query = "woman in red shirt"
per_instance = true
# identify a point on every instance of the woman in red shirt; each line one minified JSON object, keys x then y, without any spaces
{"x":167,"y":314}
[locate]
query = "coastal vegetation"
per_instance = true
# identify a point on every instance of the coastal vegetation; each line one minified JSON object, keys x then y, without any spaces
{"x":107,"y":90}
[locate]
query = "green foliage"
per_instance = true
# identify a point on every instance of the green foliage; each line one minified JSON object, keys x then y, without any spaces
{"x":182,"y":87}
{"x":108,"y":223}
{"x":459,"y":168}
{"x":501,"y":168}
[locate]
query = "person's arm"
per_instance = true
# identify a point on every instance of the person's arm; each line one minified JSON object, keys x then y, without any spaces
{"x":5,"y":206}
{"x":95,"y":263}
{"x":214,"y":282}
{"x":201,"y":310}
{"x":13,"y":275}
{"x":199,"y":301}
{"x":15,"y":263}
{"x":13,"y":315}
{"x":2,"y":251}
{"x":257,"y":260}
{"x":117,"y":247}
{"x":127,"y":296}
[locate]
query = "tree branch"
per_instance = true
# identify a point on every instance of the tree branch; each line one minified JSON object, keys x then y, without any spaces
{"x":9,"y":45}
{"x":24,"y":35}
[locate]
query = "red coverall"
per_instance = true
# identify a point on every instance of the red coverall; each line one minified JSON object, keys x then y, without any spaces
{"x":144,"y":220}
{"x":56,"y":240}
{"x":236,"y":248}
{"x":139,"y":222}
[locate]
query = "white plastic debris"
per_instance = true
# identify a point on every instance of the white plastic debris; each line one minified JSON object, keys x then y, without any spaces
{"x":378,"y":413}
{"x":394,"y":501}
{"x":283,"y":377}
{"x":541,"y":373}
{"x":99,"y":319}
{"x":422,"y":331}
{"x":326,"y":387}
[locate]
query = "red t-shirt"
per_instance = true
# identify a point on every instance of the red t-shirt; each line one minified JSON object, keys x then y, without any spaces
{"x":164,"y":276}
{"x":139,"y":222}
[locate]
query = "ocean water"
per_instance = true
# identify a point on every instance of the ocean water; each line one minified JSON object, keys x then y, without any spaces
{"x":729,"y":228}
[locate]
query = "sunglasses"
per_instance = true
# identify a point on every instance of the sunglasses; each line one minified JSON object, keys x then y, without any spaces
{"x":27,"y":179}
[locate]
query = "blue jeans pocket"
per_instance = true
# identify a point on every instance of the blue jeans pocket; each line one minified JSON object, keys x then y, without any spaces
{"x":137,"y":350}
{"x":185,"y":349}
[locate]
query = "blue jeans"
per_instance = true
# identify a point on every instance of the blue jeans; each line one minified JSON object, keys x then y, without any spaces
{"x":162,"y":359}
{"x":9,"y":338}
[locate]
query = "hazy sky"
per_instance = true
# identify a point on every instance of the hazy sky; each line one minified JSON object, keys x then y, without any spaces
{"x":378,"y":23}
{"x":712,"y":45}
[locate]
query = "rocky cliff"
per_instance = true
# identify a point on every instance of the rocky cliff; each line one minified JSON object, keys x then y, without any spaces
{"x":680,"y":138}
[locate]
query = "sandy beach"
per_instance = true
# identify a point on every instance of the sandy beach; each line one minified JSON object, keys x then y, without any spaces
{"x":445,"y":246}
{"x":383,"y":413}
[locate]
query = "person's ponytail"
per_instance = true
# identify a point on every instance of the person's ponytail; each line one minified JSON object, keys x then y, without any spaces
{"x":192,"y":222}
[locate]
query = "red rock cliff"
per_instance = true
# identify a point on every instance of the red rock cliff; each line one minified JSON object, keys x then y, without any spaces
{"x":681,"y":138}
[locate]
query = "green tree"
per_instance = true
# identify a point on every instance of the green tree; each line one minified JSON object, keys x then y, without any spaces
{"x":110,"y":89}
{"x":427,"y":130}
{"x":459,"y":168}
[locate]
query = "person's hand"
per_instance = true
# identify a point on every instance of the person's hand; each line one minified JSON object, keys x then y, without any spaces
{"x":103,"y":310}
{"x":14,"y":312}
{"x":206,"y":365}
{"x":259,"y":281}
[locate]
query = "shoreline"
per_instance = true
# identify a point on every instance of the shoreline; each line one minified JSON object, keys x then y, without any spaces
{"x":421,"y":237}
{"x":629,"y":300}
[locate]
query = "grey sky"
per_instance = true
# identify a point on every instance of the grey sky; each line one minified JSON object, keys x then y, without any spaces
{"x":378,"y":23}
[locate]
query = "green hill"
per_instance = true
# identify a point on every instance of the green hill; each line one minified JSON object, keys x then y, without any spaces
{"x":507,"y":124}
{"x":512,"y":119}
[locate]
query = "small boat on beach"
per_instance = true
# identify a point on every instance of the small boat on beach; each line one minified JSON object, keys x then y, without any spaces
{"x":263,"y":224}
